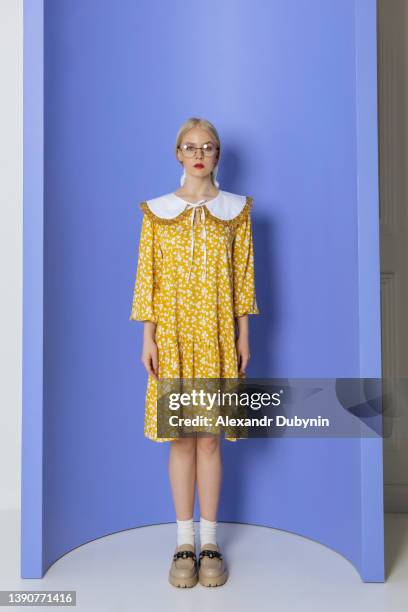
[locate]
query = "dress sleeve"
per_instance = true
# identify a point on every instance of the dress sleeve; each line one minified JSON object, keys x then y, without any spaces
{"x":143,"y":304}
{"x":243,"y":269}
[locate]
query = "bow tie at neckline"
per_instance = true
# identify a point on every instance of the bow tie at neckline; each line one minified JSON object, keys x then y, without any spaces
{"x":194,"y":207}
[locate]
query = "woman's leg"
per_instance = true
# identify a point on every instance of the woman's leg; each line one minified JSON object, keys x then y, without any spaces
{"x":209,"y":475}
{"x":182,"y":474}
{"x":182,"y":459}
{"x":212,"y":568}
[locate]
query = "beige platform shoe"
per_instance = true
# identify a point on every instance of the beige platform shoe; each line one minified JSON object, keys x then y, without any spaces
{"x":212,"y":570}
{"x":184,"y":567}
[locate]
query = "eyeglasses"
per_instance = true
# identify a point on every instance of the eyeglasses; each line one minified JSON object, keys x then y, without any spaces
{"x":209,"y":149}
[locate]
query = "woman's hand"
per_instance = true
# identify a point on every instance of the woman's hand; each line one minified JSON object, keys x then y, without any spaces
{"x":242,"y":343}
{"x":149,"y":356}
{"x":242,"y":346}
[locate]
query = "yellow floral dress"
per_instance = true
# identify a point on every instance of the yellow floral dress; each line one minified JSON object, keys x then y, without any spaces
{"x":195,"y":274}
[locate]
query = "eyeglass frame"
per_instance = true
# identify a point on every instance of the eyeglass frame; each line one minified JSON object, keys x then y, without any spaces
{"x":217,"y":148}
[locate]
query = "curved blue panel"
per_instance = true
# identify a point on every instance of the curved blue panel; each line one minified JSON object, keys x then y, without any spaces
{"x":291,"y":86}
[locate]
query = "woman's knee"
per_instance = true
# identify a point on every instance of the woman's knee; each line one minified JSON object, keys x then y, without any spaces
{"x":184,"y":445}
{"x":208,"y":444}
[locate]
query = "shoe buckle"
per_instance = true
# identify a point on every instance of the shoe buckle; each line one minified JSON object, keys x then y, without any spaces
{"x":210,"y":553}
{"x":184,"y":554}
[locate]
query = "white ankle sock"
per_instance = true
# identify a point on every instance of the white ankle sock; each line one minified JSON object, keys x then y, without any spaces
{"x":208,"y":531}
{"x":185,"y":532}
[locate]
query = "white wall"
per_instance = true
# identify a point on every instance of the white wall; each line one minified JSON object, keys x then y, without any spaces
{"x":11,"y":191}
{"x":393,"y":143}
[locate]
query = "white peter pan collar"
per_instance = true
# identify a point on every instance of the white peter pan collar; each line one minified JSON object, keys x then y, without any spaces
{"x":225,"y":206}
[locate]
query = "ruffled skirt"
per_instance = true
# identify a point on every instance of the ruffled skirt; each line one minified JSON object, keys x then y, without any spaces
{"x":198,"y":358}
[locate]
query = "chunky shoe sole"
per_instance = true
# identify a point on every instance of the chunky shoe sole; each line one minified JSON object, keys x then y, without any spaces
{"x":214,"y":582}
{"x":183,"y":582}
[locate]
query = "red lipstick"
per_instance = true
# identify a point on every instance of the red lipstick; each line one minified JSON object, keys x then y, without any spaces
{"x":198,"y":165}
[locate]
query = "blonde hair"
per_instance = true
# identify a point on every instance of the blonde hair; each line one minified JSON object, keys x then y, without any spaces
{"x":205,"y":125}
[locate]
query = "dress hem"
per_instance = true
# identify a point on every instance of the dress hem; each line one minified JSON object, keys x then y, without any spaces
{"x":171,"y":439}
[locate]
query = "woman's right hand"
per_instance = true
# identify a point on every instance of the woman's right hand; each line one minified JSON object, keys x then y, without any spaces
{"x":149,"y":356}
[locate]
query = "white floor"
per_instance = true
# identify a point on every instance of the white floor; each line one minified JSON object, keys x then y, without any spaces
{"x":269,"y":570}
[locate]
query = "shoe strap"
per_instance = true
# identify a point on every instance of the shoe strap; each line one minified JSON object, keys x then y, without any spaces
{"x":206,"y":552}
{"x":184,"y":554}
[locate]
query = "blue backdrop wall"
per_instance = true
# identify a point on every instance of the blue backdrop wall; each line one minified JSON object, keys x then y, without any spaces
{"x":291,"y":87}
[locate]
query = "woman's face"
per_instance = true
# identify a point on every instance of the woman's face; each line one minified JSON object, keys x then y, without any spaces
{"x":199,"y":165}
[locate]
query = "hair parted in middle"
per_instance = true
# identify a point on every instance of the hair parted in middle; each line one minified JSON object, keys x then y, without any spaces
{"x":205,"y":125}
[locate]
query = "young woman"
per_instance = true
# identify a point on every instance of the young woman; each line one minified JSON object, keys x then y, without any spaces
{"x":194,"y":290}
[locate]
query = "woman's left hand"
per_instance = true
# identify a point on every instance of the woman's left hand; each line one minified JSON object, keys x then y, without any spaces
{"x":242,"y":346}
